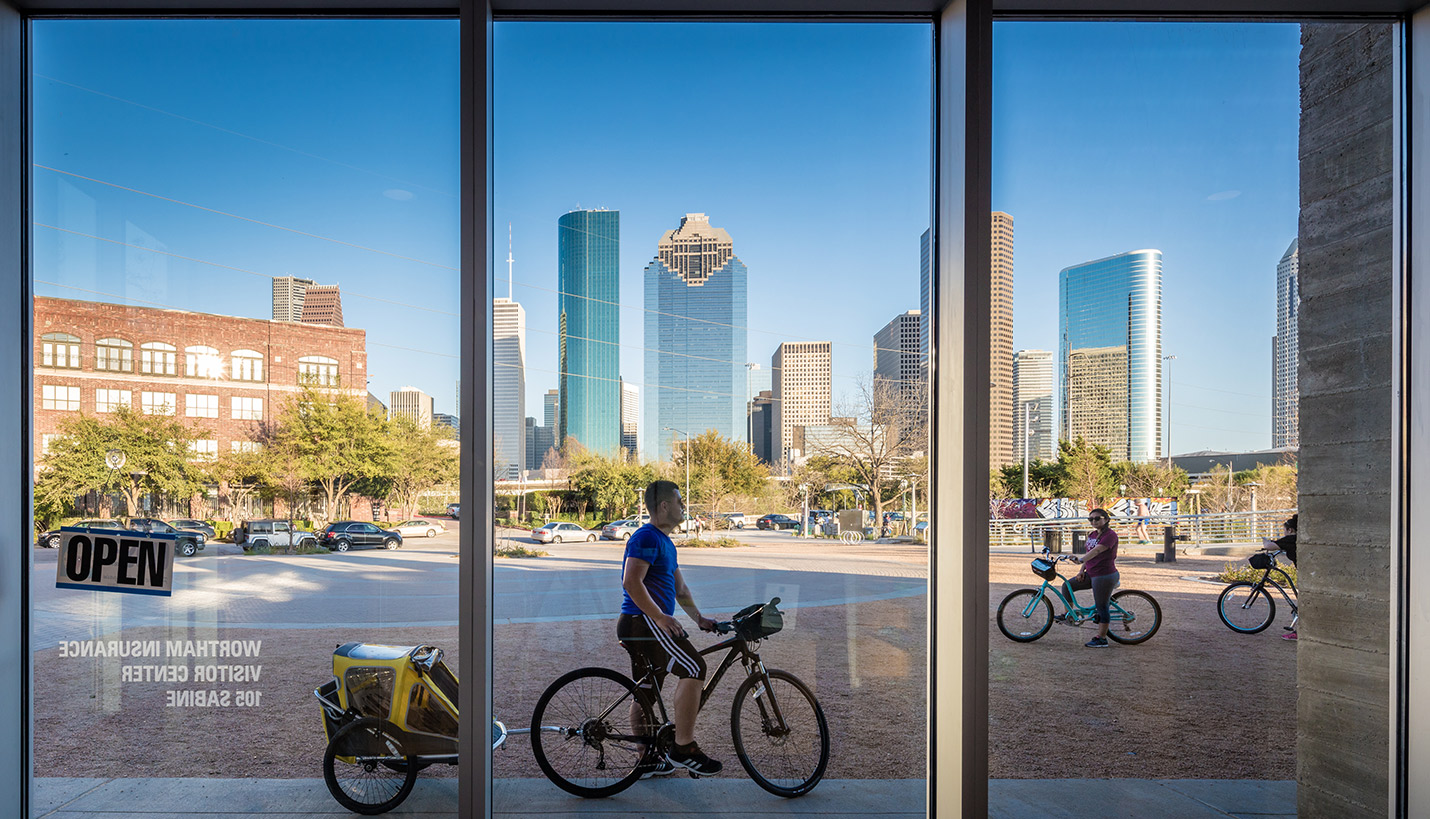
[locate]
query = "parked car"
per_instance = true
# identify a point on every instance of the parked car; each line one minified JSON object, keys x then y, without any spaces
{"x":356,"y":534}
{"x":193,"y":526}
{"x":558,"y":531}
{"x":273,"y":533}
{"x":419,"y":527}
{"x":453,"y":509}
{"x":733,"y":520}
{"x":776,"y":521}
{"x":620,"y":530}
{"x":186,"y":542}
{"x":51,"y":539}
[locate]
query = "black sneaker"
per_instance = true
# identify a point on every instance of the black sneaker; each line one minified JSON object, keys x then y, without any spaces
{"x":660,"y":767}
{"x":695,"y":760}
{"x":1096,"y":642}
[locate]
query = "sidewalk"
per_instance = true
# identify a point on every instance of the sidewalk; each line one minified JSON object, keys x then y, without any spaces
{"x":57,"y":798}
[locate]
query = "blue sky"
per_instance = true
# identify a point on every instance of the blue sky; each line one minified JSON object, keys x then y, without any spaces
{"x":808,"y":143}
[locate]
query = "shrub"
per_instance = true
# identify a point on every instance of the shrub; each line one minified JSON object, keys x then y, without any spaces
{"x":1233,"y":572}
{"x":517,"y":551}
{"x":715,"y":543}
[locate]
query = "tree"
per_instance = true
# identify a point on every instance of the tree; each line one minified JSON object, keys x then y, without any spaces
{"x":611,"y":485}
{"x":338,"y":440}
{"x":719,"y":467}
{"x":419,"y":460}
{"x":1153,"y":479}
{"x":156,"y":450}
{"x":1007,"y":481}
{"x":241,"y":473}
{"x":1084,"y":471}
{"x":887,"y":425}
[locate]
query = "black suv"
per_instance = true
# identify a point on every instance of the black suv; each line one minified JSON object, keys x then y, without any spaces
{"x":186,"y":543}
{"x":355,"y":534}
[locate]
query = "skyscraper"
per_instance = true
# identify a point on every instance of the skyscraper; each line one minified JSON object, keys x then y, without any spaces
{"x":413,"y":403}
{"x":549,"y":402}
{"x":1110,"y":353}
{"x":1033,"y":387}
{"x":288,"y":293}
{"x":589,"y":327}
{"x":896,"y":353}
{"x":762,"y":410}
{"x":630,"y":420}
{"x":323,"y":304}
{"x":509,"y":388}
{"x":802,"y":392}
{"x":1285,"y":390}
{"x":925,"y":296}
{"x":695,"y":336}
{"x":1000,"y":344}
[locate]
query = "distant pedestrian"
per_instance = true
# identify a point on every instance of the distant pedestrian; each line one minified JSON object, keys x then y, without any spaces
{"x":1143,"y":511}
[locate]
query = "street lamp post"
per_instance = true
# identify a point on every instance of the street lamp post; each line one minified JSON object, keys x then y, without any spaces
{"x":749,"y":406}
{"x":687,"y":460}
{"x":1028,"y":417}
{"x":804,"y":524}
{"x":1168,"y":359}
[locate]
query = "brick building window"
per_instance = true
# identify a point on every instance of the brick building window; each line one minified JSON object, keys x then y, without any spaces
{"x":202,"y":362}
{"x":48,"y":440}
{"x":201,"y":406}
{"x":157,"y":403}
{"x":246,"y":446}
{"x":109,"y":400}
{"x":248,"y":409}
{"x":59,"y":350}
{"x":158,"y":358}
{"x":114,"y":355}
{"x":204,"y":449}
{"x":57,"y":397}
{"x":247,"y":365}
{"x":318,"y":369}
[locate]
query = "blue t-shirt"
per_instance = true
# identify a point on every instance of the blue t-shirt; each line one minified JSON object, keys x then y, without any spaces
{"x":654,"y":547}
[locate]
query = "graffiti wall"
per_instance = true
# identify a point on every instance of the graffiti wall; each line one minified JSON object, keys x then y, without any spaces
{"x":1063,"y":508}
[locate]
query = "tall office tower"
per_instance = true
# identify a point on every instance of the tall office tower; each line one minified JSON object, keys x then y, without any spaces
{"x":925,"y":297}
{"x":508,"y":388}
{"x":630,"y":420}
{"x":695,"y":317}
{"x":288,"y":293}
{"x":323,"y":304}
{"x":757,"y":380}
{"x":1110,"y":354}
{"x":442,"y":419}
{"x":762,"y":411}
{"x":896,"y":353}
{"x":802,"y":392}
{"x":531,"y":460}
{"x":413,"y":403}
{"x":1000,"y":344}
{"x":549,"y":402}
{"x":1033,"y":388}
{"x":589,"y":326}
{"x":1285,"y":390}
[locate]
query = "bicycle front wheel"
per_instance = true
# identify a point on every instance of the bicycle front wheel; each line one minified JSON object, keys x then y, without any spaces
{"x":365,"y":769}
{"x":582,"y":736}
{"x":1134,"y":617}
{"x":1022,"y":618}
{"x":780,"y":734}
{"x":1246,"y":608}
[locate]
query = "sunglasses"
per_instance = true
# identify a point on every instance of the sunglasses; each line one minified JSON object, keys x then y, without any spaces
{"x":1095,"y":519}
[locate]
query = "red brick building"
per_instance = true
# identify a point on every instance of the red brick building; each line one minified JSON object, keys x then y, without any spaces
{"x":223,"y":373}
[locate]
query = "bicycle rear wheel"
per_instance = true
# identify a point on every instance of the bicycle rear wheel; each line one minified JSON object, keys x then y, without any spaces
{"x":780,"y":734}
{"x":1018,"y":627}
{"x":365,"y":769}
{"x":1246,"y":608}
{"x":1135,"y":617}
{"x":582,"y":736}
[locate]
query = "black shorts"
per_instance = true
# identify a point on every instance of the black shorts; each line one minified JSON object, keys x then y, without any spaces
{"x":666,"y":654}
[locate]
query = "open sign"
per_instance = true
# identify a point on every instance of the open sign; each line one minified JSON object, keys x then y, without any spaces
{"x":116,"y":561}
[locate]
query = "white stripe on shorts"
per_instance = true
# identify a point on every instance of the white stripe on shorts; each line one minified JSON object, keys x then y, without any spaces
{"x":677,"y":654}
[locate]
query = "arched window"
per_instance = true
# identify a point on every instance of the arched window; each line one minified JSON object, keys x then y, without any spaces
{"x":59,"y":350}
{"x":114,"y":355}
{"x":202,"y":362}
{"x":318,"y":369}
{"x":158,"y":358}
{"x":247,"y":365}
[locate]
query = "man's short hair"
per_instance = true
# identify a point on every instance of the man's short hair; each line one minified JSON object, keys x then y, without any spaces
{"x":658,"y":492}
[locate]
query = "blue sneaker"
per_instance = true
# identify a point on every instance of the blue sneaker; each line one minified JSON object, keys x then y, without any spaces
{"x":1096,"y":642}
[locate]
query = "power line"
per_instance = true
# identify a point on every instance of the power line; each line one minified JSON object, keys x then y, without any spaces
{"x":1264,"y":415}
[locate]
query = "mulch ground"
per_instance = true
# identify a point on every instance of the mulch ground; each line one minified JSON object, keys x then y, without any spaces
{"x":1196,"y":701}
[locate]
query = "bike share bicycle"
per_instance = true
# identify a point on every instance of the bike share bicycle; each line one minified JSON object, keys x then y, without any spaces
{"x":1027,"y":614}
{"x":1246,"y":607}
{"x":584,"y":740}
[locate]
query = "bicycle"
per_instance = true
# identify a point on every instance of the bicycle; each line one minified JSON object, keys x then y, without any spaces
{"x":1246,"y":607}
{"x":584,"y":741}
{"x":1026,"y":614}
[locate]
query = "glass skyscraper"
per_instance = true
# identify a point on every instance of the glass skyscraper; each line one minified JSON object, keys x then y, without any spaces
{"x":695,"y":315}
{"x":1285,"y":394}
{"x":588,"y":277}
{"x":1110,"y":354}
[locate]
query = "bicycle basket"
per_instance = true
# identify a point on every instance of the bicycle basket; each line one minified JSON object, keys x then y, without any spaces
{"x":1045,"y":569}
{"x":755,"y":626}
{"x":1260,"y":560}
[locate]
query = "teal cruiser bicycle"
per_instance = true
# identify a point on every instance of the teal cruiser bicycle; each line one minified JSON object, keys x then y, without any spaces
{"x":1027,"y":614}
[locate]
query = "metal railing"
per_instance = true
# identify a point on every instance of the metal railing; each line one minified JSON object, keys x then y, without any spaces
{"x":1219,"y":528}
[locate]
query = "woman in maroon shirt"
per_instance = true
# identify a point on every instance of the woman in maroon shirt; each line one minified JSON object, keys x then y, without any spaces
{"x":1099,"y":572}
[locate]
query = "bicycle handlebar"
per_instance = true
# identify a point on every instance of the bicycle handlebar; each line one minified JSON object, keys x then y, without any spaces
{"x":727,"y":626}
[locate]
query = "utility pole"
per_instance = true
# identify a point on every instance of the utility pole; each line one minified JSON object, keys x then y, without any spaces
{"x":687,"y":461}
{"x":1168,"y":359}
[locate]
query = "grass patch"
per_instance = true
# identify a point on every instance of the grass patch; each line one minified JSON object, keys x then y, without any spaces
{"x":712,"y":543}
{"x":297,"y":550}
{"x":1233,"y":572}
{"x":518,"y":551}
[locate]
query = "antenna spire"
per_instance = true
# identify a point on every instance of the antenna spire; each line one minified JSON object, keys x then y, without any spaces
{"x":509,"y":261}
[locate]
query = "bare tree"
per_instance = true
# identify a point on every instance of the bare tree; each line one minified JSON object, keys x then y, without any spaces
{"x":885,"y":426}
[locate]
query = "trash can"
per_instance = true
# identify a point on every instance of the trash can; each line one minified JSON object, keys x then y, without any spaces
{"x":1079,"y":543}
{"x":1053,"y":540}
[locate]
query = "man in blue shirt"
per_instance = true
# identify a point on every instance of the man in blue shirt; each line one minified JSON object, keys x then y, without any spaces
{"x":652,"y":584}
